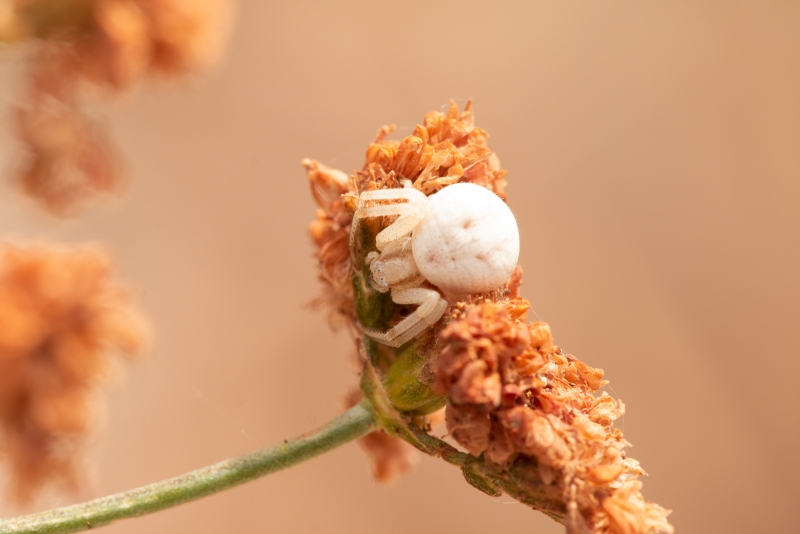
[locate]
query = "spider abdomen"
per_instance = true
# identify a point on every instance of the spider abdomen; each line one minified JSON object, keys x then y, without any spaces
{"x":468,"y":240}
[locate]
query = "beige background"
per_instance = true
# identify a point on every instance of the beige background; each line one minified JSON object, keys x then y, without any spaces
{"x":654,"y":158}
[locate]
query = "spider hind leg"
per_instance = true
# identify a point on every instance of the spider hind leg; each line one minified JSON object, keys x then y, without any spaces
{"x":430,"y":310}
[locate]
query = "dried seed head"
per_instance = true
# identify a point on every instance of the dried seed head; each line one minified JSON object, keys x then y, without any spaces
{"x":513,"y":398}
{"x":512,"y":394}
{"x":444,"y":150}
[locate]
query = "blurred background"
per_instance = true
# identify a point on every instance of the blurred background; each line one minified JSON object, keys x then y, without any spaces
{"x":654,"y":158}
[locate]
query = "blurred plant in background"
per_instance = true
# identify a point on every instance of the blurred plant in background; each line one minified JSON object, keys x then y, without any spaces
{"x":79,"y":50}
{"x":62,"y":315}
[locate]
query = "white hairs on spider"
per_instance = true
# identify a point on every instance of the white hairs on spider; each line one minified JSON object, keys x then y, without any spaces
{"x":463,"y":240}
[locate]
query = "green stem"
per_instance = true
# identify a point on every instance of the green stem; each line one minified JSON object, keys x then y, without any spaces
{"x":352,"y":424}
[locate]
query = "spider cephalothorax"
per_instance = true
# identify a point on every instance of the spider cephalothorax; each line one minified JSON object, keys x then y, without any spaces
{"x":462,"y":240}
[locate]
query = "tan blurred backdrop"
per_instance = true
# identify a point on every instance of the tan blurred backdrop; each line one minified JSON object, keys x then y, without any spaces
{"x":654,"y":158}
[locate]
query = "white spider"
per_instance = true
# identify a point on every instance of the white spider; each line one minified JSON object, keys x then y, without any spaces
{"x":463,"y":240}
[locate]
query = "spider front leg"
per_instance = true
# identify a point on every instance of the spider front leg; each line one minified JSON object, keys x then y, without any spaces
{"x":410,"y":212}
{"x":430,"y":310}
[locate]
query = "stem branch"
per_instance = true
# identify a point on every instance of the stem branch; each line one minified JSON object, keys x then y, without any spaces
{"x":352,"y":424}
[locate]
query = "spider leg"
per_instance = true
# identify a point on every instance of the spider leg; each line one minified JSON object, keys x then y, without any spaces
{"x":408,"y":193}
{"x":386,"y":210}
{"x":410,"y":211}
{"x":399,"y":228}
{"x":410,"y":216}
{"x":430,"y":310}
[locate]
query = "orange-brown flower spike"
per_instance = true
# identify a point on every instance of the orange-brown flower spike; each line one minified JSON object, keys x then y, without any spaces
{"x":513,"y":394}
{"x":61,"y":315}
{"x":529,"y":414}
{"x":106,"y":44}
{"x":446,"y":148}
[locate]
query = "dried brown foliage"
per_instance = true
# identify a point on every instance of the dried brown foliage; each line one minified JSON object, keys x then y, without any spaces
{"x":61,"y":315}
{"x":108,"y":45}
{"x":446,"y":148}
{"x":512,"y":393}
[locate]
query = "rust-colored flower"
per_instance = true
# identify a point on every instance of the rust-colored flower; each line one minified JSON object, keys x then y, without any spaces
{"x":69,"y":157}
{"x":514,"y":400}
{"x":543,"y":404}
{"x":61,"y":315}
{"x":103,"y":44}
{"x":445,"y":149}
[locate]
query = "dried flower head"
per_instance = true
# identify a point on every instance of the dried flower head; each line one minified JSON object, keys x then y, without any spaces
{"x":445,"y":149}
{"x":61,"y":315}
{"x":513,"y":399}
{"x":103,"y":44}
{"x":69,"y":156}
{"x":512,"y":393}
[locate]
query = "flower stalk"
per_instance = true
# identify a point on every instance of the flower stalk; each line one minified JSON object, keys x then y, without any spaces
{"x":354,"y":423}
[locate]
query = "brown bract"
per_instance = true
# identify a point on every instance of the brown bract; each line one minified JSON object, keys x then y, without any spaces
{"x":61,"y":315}
{"x":108,"y":45}
{"x":512,"y":393}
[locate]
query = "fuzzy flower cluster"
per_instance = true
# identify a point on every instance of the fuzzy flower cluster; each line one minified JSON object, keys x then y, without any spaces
{"x":106,"y":45}
{"x":61,"y":315}
{"x":446,"y":148}
{"x":510,"y":392}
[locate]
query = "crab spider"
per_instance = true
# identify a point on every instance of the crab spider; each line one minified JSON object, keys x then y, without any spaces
{"x":462,"y":240}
